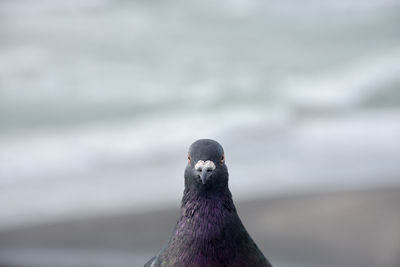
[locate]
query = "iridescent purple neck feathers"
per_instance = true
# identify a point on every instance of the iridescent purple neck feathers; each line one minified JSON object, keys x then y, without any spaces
{"x":209,"y":233}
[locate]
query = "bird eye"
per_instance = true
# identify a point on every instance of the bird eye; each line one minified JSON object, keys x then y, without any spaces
{"x":222,"y":159}
{"x":189,"y":159}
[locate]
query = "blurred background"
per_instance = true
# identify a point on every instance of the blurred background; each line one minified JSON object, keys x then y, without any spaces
{"x":100,"y":99}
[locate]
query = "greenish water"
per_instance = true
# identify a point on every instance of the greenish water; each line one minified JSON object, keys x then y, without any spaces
{"x":99,"y":98}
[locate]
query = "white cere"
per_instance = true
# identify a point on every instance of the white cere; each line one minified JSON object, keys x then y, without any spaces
{"x":204,"y":165}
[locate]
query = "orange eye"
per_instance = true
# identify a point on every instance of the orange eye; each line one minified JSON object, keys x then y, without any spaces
{"x":189,"y":159}
{"x":222,"y":159}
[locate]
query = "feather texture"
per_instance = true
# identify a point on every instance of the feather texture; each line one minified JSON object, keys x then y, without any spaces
{"x":209,"y":232}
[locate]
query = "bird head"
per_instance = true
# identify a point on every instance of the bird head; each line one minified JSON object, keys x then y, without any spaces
{"x":206,"y":165}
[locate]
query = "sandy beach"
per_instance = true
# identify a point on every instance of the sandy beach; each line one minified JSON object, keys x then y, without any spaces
{"x":351,"y":228}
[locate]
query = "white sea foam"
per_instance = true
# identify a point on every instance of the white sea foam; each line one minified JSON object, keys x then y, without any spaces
{"x":345,"y":87}
{"x":97,"y":170}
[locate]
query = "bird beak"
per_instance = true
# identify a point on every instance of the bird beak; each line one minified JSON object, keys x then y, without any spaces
{"x":204,"y":170}
{"x":204,"y":175}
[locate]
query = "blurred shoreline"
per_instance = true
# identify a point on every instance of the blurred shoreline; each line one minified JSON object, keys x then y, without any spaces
{"x":344,"y":228}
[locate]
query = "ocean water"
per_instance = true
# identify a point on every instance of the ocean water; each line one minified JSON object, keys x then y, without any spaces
{"x":99,"y":100}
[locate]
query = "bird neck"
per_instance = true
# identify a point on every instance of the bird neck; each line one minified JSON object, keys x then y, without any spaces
{"x":198,"y":192}
{"x":206,"y":225}
{"x":207,"y":203}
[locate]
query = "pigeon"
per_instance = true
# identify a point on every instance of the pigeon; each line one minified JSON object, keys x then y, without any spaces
{"x":209,"y":232}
